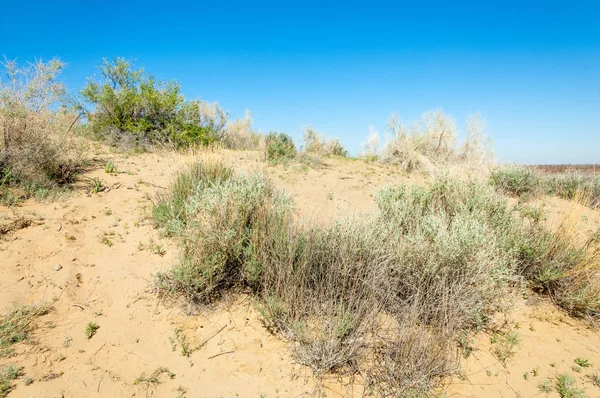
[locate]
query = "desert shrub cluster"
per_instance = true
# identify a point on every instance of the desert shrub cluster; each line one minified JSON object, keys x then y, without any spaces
{"x":40,"y":147}
{"x":431,"y":143}
{"x":381,"y":294}
{"x":527,"y":182}
{"x":315,"y":143}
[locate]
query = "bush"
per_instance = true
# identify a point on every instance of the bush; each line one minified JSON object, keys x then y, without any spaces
{"x":279,"y":146}
{"x":390,"y":289}
{"x":315,"y":143}
{"x":39,"y":148}
{"x":516,"y":180}
{"x":133,"y":108}
{"x":432,"y":143}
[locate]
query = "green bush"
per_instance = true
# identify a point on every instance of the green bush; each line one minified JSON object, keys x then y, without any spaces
{"x":516,"y":180}
{"x":279,"y":146}
{"x":132,"y":107}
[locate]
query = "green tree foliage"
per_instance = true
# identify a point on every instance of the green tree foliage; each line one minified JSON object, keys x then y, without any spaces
{"x":131,"y":105}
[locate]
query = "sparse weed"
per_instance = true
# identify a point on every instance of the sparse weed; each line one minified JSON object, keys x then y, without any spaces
{"x":545,"y":387}
{"x":584,"y":363}
{"x":567,"y":388}
{"x":109,"y":167}
{"x":91,"y":329}
{"x":7,"y":375}
{"x":17,"y":325}
{"x":154,"y":377}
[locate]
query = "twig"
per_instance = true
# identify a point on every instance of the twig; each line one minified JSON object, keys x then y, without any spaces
{"x":207,"y":340}
{"x":78,"y":306}
{"x":98,"y":389}
{"x":221,"y":353}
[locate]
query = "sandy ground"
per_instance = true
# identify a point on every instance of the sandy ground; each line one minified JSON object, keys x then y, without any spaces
{"x":92,"y":258}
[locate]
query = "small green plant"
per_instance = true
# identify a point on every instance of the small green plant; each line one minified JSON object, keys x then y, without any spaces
{"x":108,"y":212}
{"x":526,"y":376}
{"x":505,"y":345}
{"x":96,"y":185}
{"x":576,"y":368}
{"x":584,"y":363}
{"x":109,"y":167}
{"x":67,"y":342}
{"x":545,"y":387}
{"x":7,"y":375}
{"x":566,"y":387}
{"x":17,"y":325}
{"x":91,"y":329}
{"x":27,"y":381}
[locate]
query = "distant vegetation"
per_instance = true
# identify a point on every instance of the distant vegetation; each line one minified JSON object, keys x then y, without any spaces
{"x":527,"y":182}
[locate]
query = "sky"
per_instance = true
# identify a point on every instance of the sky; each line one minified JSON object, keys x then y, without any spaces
{"x":532,"y":68}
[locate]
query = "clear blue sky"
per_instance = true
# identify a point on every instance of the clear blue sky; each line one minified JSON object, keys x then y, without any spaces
{"x":531,"y":68}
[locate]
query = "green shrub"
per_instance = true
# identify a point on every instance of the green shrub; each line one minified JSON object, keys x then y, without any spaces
{"x":132,"y":107}
{"x":516,"y":180}
{"x":279,"y":146}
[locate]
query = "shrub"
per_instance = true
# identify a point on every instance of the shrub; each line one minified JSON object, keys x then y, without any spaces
{"x":390,"y":290}
{"x":516,"y":180}
{"x":432,"y":142}
{"x":39,"y":148}
{"x":315,"y":143}
{"x":279,"y":146}
{"x":133,"y":108}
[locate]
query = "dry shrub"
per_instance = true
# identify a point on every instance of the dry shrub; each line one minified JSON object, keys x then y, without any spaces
{"x":431,"y":143}
{"x":386,"y":292}
{"x":315,"y":143}
{"x":40,"y":145}
{"x":240,"y":135}
{"x":386,"y":295}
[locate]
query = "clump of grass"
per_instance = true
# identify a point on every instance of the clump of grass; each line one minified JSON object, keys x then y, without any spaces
{"x":504,"y":345}
{"x":91,"y":329}
{"x":7,"y":375}
{"x":584,"y":363}
{"x":567,"y":388}
{"x":17,"y":325}
{"x":545,"y":387}
{"x":109,"y":167}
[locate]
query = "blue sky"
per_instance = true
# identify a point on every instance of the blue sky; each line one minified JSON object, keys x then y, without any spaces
{"x":531,"y":68}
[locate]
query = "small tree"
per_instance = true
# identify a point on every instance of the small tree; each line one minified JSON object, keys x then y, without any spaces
{"x":130,"y":105}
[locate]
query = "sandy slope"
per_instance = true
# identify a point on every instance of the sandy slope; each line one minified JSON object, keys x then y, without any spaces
{"x":233,"y":355}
